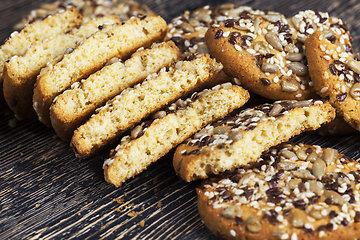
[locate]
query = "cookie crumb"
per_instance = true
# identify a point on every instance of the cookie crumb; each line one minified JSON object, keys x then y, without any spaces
{"x":133,"y":214}
{"x":159,"y":204}
{"x":141,"y":223}
{"x":119,"y":200}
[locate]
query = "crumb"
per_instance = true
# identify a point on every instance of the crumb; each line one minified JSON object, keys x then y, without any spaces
{"x":37,"y":205}
{"x":141,"y":223}
{"x":119,"y":200}
{"x":131,"y":205}
{"x":79,"y":214}
{"x":118,"y":209}
{"x":159,"y":204}
{"x":155,"y":190}
{"x":133,"y":214}
{"x":142,"y":208}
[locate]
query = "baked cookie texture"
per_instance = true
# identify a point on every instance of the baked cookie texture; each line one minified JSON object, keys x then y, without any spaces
{"x":74,"y":106}
{"x":293,"y":191}
{"x":335,"y":72}
{"x":111,"y":41}
{"x":168,"y":127}
{"x":237,"y":140}
{"x":20,"y":72}
{"x":154,"y":93}
{"x":18,"y":42}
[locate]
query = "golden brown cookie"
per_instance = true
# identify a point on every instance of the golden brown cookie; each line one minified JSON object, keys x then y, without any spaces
{"x":136,"y":103}
{"x":17,"y":43}
{"x":110,"y":41}
{"x":293,"y":191}
{"x":170,"y":126}
{"x":266,"y":51}
{"x":335,"y":72}
{"x":21,"y":71}
{"x":74,"y":106}
{"x":240,"y":139}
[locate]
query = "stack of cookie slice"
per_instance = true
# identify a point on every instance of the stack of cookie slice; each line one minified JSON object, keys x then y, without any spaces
{"x":104,"y":78}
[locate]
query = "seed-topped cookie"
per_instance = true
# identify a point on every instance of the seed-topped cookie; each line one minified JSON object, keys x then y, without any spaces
{"x":237,"y":140}
{"x":168,"y":127}
{"x":20,"y":72}
{"x":293,"y":191}
{"x":110,"y":41}
{"x":18,"y":42}
{"x":136,"y":103}
{"x":266,"y":51}
{"x":335,"y":72}
{"x":74,"y":106}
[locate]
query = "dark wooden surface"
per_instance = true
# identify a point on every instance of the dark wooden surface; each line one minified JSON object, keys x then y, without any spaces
{"x":47,"y":193}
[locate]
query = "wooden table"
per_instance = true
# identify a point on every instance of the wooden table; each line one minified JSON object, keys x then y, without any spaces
{"x":47,"y":193}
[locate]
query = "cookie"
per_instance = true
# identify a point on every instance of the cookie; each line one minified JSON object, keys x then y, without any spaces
{"x":170,"y":126}
{"x":92,"y":54}
{"x":20,"y":72}
{"x":18,"y":42}
{"x":89,"y":9}
{"x":74,"y":106}
{"x":335,"y":72}
{"x":240,"y":139}
{"x":135,"y":104}
{"x":293,"y":191}
{"x":270,"y":48}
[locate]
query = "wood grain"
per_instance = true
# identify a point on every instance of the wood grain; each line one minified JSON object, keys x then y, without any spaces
{"x":47,"y":193}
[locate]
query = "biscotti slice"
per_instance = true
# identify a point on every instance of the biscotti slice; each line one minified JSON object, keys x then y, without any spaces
{"x":169,"y":127}
{"x":18,"y":42}
{"x":293,"y":191}
{"x":73,"y":107}
{"x":240,"y":139}
{"x":335,"y":71}
{"x":20,"y":72}
{"x":134,"y":104}
{"x":92,"y":54}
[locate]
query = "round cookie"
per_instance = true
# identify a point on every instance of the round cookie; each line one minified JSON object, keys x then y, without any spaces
{"x":266,"y":51}
{"x":335,"y":72}
{"x":293,"y":191}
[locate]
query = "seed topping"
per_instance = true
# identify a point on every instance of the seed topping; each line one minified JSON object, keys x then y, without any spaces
{"x":313,"y":196}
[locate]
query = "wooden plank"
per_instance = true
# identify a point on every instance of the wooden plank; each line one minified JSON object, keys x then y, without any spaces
{"x":45,"y":192}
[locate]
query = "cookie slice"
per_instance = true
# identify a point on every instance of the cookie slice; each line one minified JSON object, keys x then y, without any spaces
{"x":134,"y":104}
{"x":240,"y":139}
{"x":73,"y":107}
{"x":154,"y":138}
{"x":111,"y":41}
{"x":20,"y":72}
{"x":18,"y":42}
{"x":293,"y":191}
{"x":335,"y":72}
